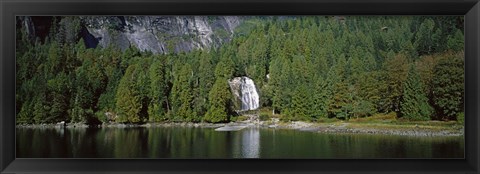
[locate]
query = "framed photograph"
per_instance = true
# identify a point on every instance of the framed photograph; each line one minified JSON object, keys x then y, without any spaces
{"x":239,"y":86}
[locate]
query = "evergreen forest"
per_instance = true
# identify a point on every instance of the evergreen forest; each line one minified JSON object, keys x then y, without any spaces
{"x":305,"y":68}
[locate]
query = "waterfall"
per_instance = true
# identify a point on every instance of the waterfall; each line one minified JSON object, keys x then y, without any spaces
{"x":244,"y":89}
{"x":250,"y":99}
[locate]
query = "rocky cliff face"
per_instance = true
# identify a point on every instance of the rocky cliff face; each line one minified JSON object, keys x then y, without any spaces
{"x":159,"y":34}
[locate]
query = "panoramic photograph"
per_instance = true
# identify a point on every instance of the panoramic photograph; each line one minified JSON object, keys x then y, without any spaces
{"x":228,"y":87}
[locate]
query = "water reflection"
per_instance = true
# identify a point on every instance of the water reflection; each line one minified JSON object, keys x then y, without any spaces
{"x":251,"y":143}
{"x":176,"y":142}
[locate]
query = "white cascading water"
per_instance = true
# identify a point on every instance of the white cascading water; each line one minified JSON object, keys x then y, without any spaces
{"x":244,"y":89}
{"x":250,"y":98}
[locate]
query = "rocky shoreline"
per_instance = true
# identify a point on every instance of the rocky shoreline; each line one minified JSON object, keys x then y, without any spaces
{"x":400,"y":131}
{"x":330,"y":128}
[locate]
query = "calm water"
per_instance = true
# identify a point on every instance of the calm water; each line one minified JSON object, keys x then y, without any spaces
{"x":175,"y":142}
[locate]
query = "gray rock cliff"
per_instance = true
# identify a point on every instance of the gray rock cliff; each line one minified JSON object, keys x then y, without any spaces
{"x":161,"y":34}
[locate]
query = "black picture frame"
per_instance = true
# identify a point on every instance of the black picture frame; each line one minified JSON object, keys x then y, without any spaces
{"x":11,"y":8}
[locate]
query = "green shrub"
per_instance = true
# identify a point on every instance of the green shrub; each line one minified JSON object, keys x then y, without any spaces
{"x":461,"y":117}
{"x":100,"y":115}
{"x":264,"y":117}
{"x":241,"y":118}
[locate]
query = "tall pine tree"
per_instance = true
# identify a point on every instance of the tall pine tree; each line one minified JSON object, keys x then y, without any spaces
{"x":414,"y":104}
{"x":182,"y":95}
{"x":128,"y":102}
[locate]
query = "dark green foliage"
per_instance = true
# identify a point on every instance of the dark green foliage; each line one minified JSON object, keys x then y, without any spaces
{"x":301,"y":104}
{"x":319,"y":100}
{"x":24,"y":116}
{"x":40,"y":110}
{"x":68,"y":30}
{"x":157,"y":92}
{"x":205,"y":80}
{"x":414,"y":104}
{"x":362,"y":108}
{"x":128,"y":100}
{"x":456,"y":42}
{"x":341,"y":96}
{"x":90,"y":82}
{"x":142,"y":85}
{"x":106,"y":101}
{"x":396,"y":68}
{"x":368,"y":94}
{"x":182,"y":95}
{"x":59,"y":88}
{"x":448,"y":86}
{"x":424,"y":39}
{"x":219,"y":98}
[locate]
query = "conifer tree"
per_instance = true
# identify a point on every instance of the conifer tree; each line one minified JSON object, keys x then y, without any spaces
{"x":302,"y":77}
{"x":300,"y":107}
{"x":274,"y":82}
{"x":128,"y":102}
{"x":427,"y":37}
{"x":414,"y":104}
{"x":59,"y":88}
{"x":157,"y":92}
{"x":340,"y":96}
{"x":41,"y":109}
{"x":320,"y":99}
{"x":396,"y":68}
{"x":219,"y":98}
{"x":456,"y":42}
{"x":182,"y":95}
{"x":206,"y":79}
